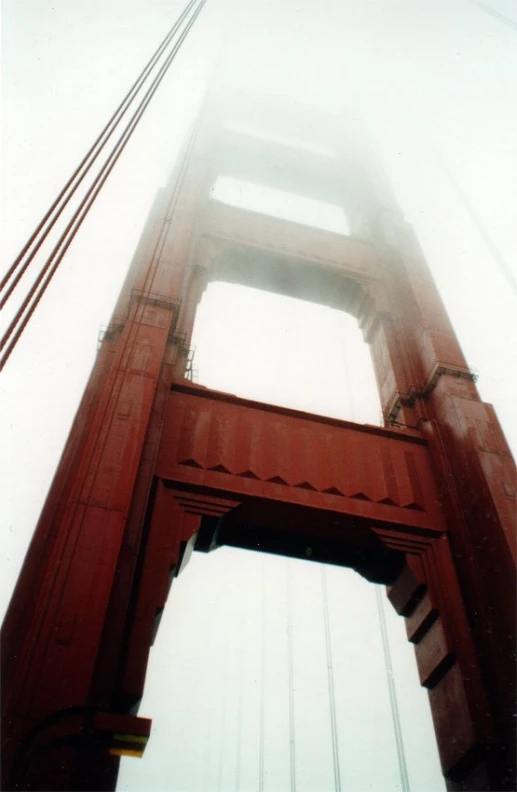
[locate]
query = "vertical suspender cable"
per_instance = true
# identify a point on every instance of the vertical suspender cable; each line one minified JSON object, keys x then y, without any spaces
{"x":404,"y":778}
{"x":222,"y":731}
{"x":290,"y":671}
{"x":239,"y":670}
{"x":208,"y":723}
{"x":330,"y":673}
{"x":262,"y":703}
{"x":239,"y":740}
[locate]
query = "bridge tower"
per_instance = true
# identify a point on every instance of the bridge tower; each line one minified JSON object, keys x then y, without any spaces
{"x":156,"y":465}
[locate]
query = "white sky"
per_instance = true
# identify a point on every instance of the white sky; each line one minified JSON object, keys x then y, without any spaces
{"x":439,"y":73}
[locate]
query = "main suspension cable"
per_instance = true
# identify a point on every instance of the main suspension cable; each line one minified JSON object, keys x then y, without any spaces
{"x":42,"y":230}
{"x":26,"y":309}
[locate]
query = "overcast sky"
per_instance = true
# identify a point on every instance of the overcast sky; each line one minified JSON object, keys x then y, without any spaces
{"x":434,"y":81}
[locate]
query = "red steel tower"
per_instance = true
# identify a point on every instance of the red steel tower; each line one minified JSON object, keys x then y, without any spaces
{"x":156,"y":465}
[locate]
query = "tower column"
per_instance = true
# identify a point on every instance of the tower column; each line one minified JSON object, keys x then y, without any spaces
{"x":81,"y":559}
{"x":477,"y":475}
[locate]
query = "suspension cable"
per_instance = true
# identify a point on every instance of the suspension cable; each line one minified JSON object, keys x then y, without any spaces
{"x":209,"y":718}
{"x":223,"y":704}
{"x":401,"y":755}
{"x":41,"y":283}
{"x":482,"y":231}
{"x":262,"y":671}
{"x":330,"y":674}
{"x":43,"y":228}
{"x":238,"y":748}
{"x":469,"y":208}
{"x":290,"y":672}
{"x":501,"y":17}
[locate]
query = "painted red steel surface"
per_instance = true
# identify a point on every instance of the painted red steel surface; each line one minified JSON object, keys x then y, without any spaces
{"x":280,"y":454}
{"x":214,"y":444}
{"x":149,"y":457}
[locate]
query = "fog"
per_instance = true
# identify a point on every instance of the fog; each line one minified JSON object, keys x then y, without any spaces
{"x":426,"y":86}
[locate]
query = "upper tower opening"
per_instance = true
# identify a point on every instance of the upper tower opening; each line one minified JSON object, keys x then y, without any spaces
{"x":281,"y":204}
{"x":286,"y":351}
